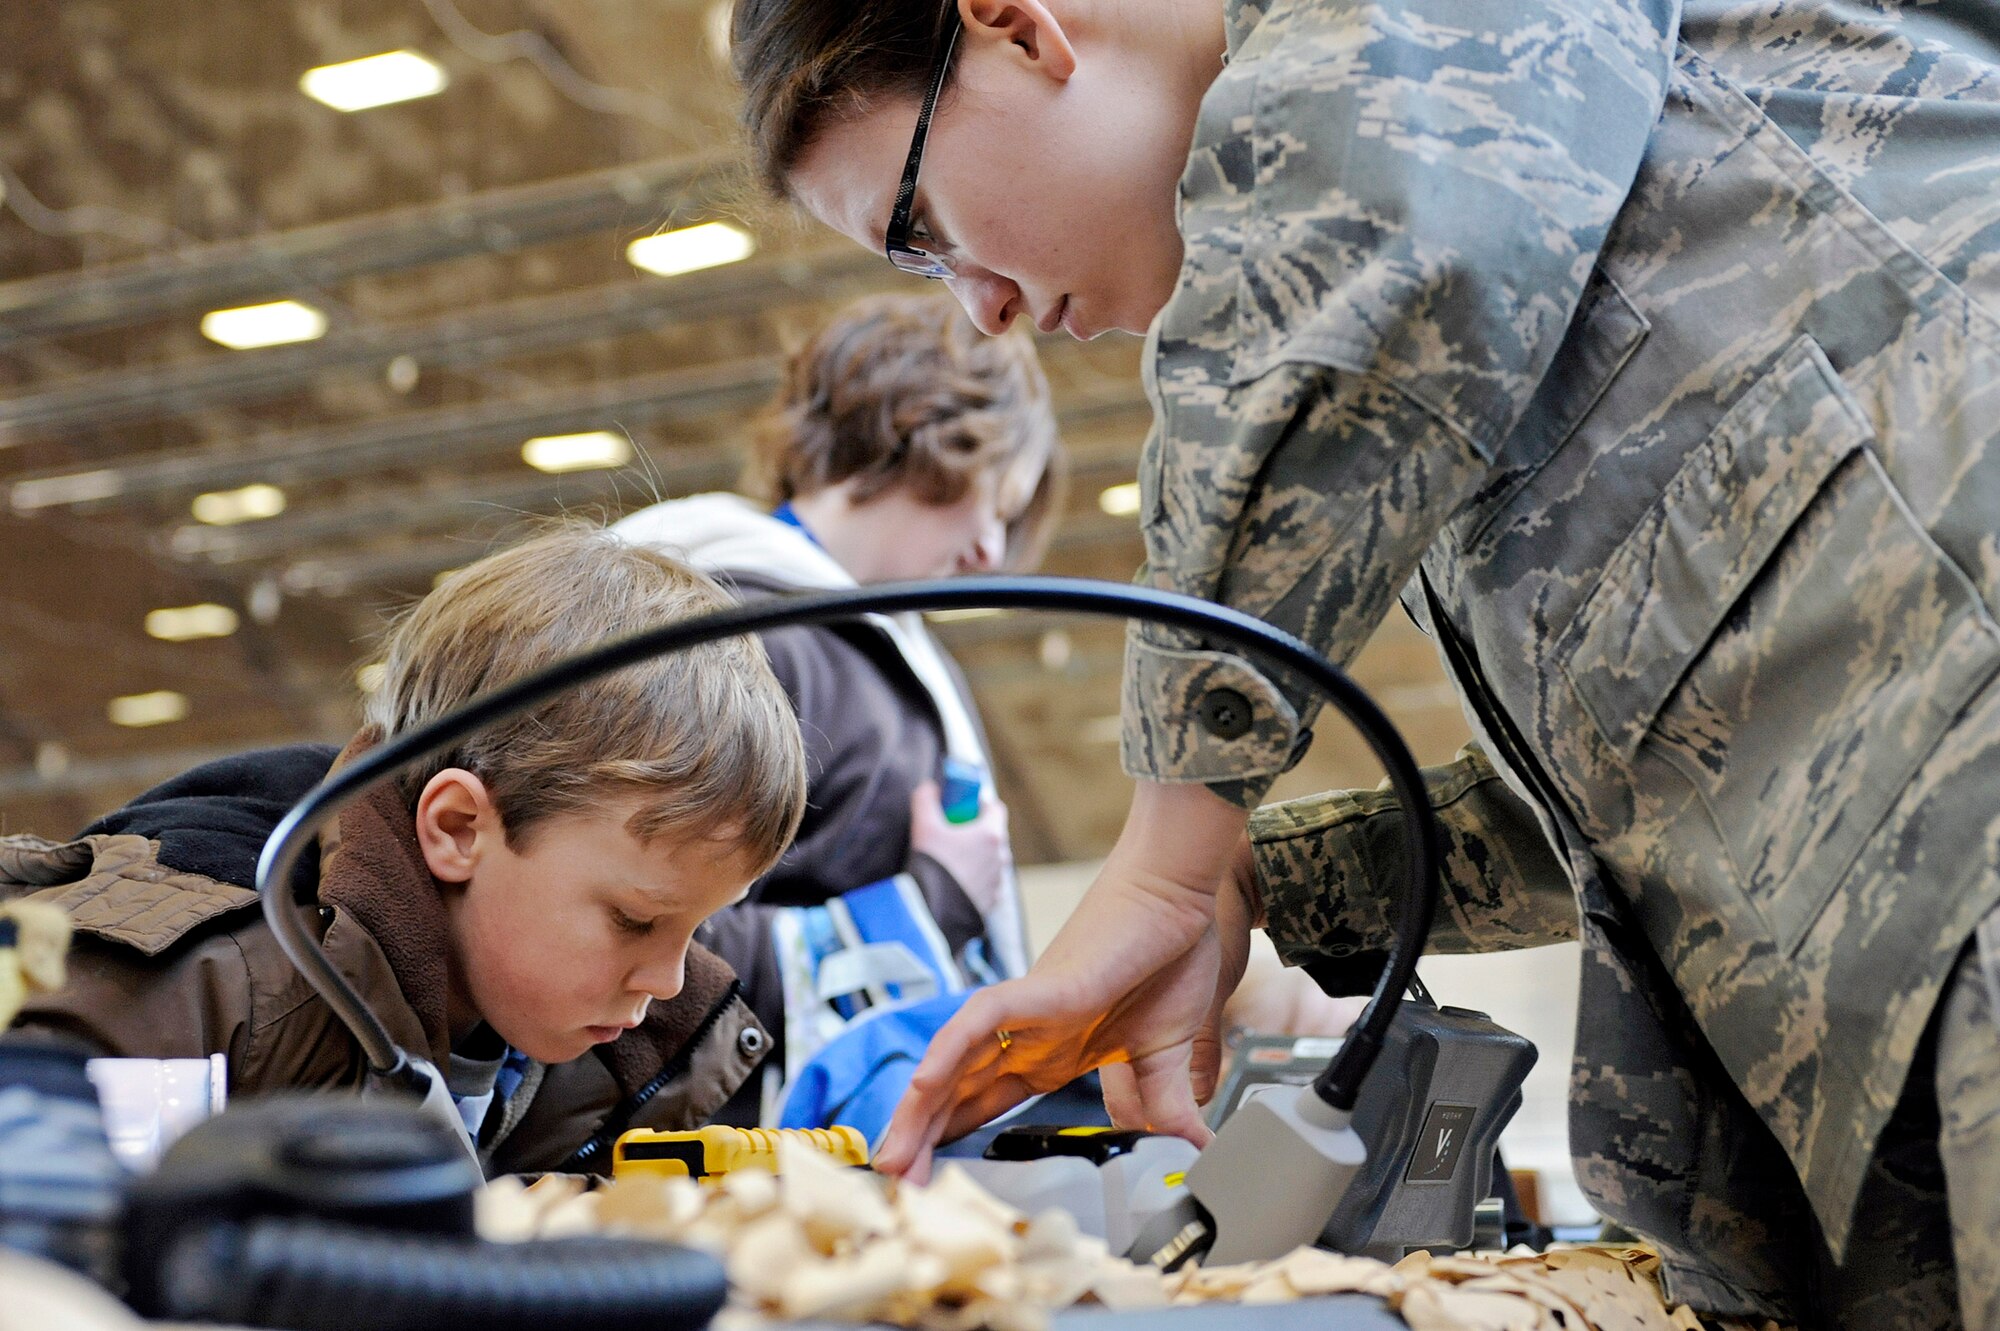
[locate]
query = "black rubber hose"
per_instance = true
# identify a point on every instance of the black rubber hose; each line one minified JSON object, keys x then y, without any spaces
{"x":1339,"y":1085}
{"x":315,"y":1275}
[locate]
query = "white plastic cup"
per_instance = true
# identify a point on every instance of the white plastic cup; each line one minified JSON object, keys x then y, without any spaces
{"x":149,"y":1102}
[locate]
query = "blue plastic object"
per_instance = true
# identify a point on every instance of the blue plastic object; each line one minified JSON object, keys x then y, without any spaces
{"x":860,"y":1075}
{"x":962,"y":782}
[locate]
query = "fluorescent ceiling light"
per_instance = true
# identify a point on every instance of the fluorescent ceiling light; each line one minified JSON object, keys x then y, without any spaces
{"x":577,"y":452}
{"x":369,"y":677}
{"x":75,"y":488}
{"x":249,"y":326}
{"x":220,"y":508}
{"x":184,"y":623}
{"x":973,"y":612}
{"x":376,"y":80}
{"x":691,"y":247}
{"x":1120,"y":501}
{"x":148,"y":709}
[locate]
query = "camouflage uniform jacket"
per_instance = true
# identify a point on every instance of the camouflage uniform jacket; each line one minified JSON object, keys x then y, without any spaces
{"x":1651,"y":353}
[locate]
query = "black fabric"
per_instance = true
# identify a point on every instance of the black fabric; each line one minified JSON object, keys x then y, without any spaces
{"x":214,"y":819}
{"x":872,"y":736}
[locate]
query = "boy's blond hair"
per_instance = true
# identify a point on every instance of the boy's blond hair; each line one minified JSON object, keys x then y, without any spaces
{"x":705,"y":737}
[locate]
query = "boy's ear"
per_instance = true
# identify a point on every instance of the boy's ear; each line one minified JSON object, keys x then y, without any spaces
{"x":1029,"y":26}
{"x":454,"y":812}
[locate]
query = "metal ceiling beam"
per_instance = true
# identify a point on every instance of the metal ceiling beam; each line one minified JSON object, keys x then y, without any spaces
{"x":412,"y":510}
{"x":421,"y":438}
{"x":88,"y":402}
{"x":402,"y":567}
{"x":228,"y":272}
{"x":417,"y":439}
{"x":87,"y":775}
{"x":345,"y":450}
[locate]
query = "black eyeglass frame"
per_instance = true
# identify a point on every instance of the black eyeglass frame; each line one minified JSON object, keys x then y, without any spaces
{"x":896,"y":242}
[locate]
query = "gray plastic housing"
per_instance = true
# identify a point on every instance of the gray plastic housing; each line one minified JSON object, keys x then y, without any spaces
{"x":1274,"y":1173}
{"x":1446,"y":1077}
{"x":1112,"y":1200}
{"x":1445,"y":1084}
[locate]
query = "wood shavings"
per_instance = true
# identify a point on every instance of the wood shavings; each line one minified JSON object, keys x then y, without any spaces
{"x":1430,"y":1305}
{"x":647,"y":1206}
{"x":508,"y":1211}
{"x":821,"y":1241}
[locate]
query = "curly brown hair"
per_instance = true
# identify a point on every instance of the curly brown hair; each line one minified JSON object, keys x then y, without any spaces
{"x":902,"y":391}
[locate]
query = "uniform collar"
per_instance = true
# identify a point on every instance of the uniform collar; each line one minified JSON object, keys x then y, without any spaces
{"x":1239,"y":19}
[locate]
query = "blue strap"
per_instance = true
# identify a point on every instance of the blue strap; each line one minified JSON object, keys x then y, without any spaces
{"x":822,"y":940}
{"x":788,"y":515}
{"x":886,"y":912}
{"x":859,"y":1076}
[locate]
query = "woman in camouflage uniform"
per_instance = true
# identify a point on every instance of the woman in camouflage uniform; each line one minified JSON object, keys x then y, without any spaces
{"x":1650,"y":352}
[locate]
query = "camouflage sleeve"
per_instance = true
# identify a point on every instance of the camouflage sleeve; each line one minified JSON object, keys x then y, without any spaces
{"x":1328,"y":867}
{"x":1389,"y":217}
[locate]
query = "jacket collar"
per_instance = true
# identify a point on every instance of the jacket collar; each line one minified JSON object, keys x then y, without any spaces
{"x":373,"y":871}
{"x":728,"y":535}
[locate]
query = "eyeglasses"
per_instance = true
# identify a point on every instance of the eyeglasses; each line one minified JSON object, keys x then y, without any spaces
{"x":902,"y":250}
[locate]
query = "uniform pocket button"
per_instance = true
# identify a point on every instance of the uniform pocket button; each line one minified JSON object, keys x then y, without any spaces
{"x":1225,"y":713}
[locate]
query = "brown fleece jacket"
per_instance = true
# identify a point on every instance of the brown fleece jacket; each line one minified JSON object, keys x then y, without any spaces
{"x":171,"y":963}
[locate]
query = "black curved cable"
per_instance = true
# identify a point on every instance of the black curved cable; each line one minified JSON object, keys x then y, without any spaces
{"x":1338,"y":1085}
{"x":307,"y":1274}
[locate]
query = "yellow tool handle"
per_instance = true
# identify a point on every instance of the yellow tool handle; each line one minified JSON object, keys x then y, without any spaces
{"x":717,"y":1149}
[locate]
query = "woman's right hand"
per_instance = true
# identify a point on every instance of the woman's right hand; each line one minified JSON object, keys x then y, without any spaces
{"x":1133,"y":981}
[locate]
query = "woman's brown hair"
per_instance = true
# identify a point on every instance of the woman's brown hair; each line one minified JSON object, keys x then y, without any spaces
{"x":800,"y":61}
{"x":902,"y":391}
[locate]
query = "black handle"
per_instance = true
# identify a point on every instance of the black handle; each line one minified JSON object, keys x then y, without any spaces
{"x":315,"y":1275}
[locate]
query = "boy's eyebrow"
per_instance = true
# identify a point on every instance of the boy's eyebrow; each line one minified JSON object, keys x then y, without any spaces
{"x":666,"y":898}
{"x":646,"y":890}
{"x":653,"y":892}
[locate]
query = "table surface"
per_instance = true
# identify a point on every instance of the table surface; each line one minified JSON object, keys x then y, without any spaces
{"x":1334,"y":1312}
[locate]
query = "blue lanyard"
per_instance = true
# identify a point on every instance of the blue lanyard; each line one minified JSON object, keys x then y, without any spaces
{"x":786,"y":514}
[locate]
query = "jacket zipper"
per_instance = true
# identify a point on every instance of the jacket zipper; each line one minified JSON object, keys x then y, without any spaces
{"x":621,"y":1117}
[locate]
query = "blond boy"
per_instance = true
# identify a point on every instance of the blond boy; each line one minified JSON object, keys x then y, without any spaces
{"x":519,"y":910}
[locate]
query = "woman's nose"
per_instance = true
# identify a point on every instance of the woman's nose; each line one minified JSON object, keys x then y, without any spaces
{"x":989,"y":550}
{"x":991,"y":300}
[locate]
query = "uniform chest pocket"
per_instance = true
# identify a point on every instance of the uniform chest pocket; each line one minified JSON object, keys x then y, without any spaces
{"x":1780,"y":633}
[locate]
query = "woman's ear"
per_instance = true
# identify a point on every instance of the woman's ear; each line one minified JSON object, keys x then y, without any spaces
{"x":455,"y":815}
{"x":1029,"y":26}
